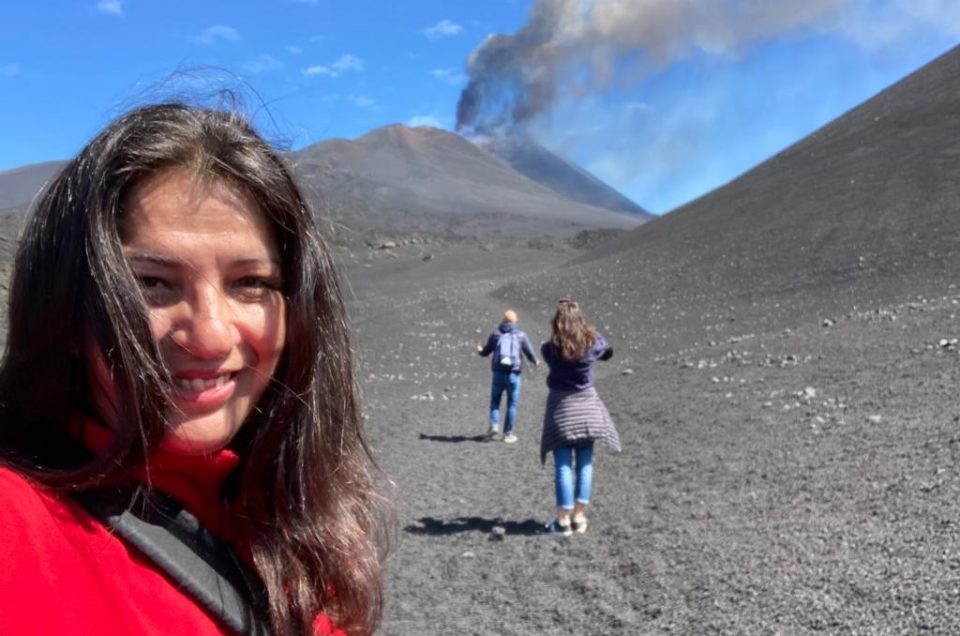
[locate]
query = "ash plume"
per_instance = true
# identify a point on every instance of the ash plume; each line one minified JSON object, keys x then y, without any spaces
{"x":575,"y":48}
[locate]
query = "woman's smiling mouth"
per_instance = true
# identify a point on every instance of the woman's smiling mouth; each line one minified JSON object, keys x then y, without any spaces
{"x":200,"y":384}
{"x":204,"y":393}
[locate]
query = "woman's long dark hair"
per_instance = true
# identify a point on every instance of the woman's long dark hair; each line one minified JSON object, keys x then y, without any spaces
{"x":572,"y":334}
{"x":304,"y":490}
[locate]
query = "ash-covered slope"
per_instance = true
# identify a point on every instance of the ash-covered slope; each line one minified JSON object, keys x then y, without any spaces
{"x":539,"y":164}
{"x":426,"y":180}
{"x":19,"y":185}
{"x":865,"y":210}
{"x":772,"y":480}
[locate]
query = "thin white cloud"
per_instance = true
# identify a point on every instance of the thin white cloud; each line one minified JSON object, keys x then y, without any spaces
{"x":347,"y":62}
{"x":425,"y":120}
{"x":218,"y":33}
{"x":263,"y":64}
{"x":454,"y":78}
{"x":294,"y":50}
{"x":442,"y":29}
{"x":9,"y":70}
{"x":341,"y":65}
{"x":361,"y":101}
{"x":312,"y":71}
{"x":110,"y":7}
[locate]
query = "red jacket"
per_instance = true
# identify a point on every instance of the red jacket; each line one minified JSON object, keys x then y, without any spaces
{"x":62,"y":572}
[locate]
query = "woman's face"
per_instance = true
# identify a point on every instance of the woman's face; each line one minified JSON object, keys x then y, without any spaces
{"x":211,"y":275}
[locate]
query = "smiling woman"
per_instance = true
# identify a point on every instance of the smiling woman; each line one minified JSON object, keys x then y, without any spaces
{"x":210,"y":272}
{"x":177,"y":334}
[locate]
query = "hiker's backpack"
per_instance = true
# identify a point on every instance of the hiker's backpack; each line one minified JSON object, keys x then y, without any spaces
{"x":508,"y":350}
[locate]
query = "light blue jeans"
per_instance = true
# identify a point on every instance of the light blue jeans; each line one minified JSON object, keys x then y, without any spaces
{"x":563,"y":475}
{"x":509,"y":382}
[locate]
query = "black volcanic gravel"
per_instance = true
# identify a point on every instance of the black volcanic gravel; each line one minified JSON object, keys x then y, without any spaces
{"x":797,"y":480}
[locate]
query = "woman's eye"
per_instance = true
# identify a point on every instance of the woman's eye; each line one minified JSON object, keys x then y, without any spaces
{"x":252,"y":281}
{"x":149,"y":282}
{"x":255,"y":287}
{"x":157,"y":291}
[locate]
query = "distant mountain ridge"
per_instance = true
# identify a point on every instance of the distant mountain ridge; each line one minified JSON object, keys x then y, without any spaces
{"x":878,"y":182}
{"x":19,"y":185}
{"x":397,"y":178}
{"x":423,"y":180}
{"x":547,"y":168}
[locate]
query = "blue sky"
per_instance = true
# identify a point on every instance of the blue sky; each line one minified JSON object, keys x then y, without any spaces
{"x":663,"y":99}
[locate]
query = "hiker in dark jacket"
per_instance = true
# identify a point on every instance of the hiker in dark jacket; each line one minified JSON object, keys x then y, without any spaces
{"x":575,"y":417}
{"x":510,"y":344}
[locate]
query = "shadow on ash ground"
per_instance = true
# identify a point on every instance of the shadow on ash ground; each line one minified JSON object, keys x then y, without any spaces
{"x":794,"y":481}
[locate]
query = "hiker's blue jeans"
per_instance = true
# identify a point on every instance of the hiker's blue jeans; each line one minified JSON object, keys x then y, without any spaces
{"x":508,"y":382}
{"x":564,"y":475}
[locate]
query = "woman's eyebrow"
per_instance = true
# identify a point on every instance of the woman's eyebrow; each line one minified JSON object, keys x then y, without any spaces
{"x":153,"y":258}
{"x":167,"y":260}
{"x":243,"y":262}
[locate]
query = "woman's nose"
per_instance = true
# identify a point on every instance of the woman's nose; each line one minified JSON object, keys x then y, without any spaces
{"x":207,"y":331}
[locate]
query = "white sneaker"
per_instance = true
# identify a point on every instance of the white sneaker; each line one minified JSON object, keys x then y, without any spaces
{"x":579,"y":524}
{"x":509,"y":439}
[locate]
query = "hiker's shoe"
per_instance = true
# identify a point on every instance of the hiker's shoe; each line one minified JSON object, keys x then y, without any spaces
{"x":509,"y":438}
{"x":557,"y":528}
{"x":579,"y":524}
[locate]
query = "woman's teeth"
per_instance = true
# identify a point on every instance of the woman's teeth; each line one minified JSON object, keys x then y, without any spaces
{"x":198,"y":384}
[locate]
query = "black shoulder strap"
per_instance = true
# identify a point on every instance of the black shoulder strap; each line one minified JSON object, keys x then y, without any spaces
{"x":203,"y":565}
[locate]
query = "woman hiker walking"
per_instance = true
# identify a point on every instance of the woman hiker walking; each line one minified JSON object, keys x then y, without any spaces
{"x":575,"y":416}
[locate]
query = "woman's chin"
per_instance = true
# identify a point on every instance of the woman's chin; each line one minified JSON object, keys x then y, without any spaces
{"x":195,"y":438}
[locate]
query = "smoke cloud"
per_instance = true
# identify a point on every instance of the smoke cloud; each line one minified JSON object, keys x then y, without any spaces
{"x":576,"y":48}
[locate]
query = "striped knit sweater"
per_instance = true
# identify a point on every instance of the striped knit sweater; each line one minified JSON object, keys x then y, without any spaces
{"x":575,"y":416}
